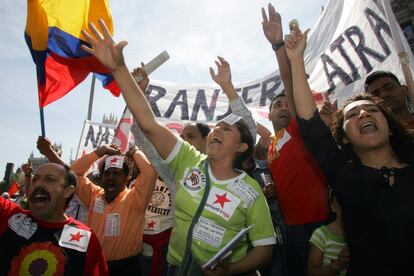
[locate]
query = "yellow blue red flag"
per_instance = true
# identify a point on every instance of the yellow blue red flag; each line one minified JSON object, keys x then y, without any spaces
{"x":53,"y":35}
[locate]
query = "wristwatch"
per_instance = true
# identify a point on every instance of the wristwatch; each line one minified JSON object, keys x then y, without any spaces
{"x":277,"y":45}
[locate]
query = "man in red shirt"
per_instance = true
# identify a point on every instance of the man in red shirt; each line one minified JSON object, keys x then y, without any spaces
{"x":44,"y":240}
{"x":301,"y":188}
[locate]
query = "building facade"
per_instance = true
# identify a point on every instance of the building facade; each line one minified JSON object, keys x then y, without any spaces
{"x":404,"y":11}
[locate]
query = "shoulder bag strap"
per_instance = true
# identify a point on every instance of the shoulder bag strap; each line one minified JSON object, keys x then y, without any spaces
{"x":200,"y":208}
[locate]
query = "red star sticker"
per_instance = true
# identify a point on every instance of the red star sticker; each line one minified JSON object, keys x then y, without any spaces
{"x":76,"y":237}
{"x":151,"y":224}
{"x":221,"y":199}
{"x":114,"y":160}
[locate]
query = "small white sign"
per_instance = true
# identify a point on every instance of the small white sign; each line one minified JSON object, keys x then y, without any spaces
{"x":207,"y":231}
{"x":244,"y":191}
{"x":22,"y":225}
{"x":75,"y":238}
{"x":113,"y":225}
{"x":221,"y":202}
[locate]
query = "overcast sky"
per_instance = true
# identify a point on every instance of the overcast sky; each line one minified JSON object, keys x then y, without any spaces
{"x":194,"y":32}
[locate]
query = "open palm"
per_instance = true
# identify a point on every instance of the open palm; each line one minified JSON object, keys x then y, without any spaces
{"x":272,"y":25}
{"x":103,"y":46}
{"x":223,"y":76}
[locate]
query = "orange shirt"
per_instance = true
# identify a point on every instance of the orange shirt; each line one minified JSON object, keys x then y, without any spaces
{"x":119,"y":225}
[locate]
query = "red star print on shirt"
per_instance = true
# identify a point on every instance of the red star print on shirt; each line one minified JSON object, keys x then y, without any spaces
{"x":221,"y":199}
{"x":151,"y":224}
{"x":114,"y":160}
{"x":76,"y":237}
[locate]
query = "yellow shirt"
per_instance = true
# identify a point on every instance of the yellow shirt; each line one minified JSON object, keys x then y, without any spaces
{"x":119,"y":225}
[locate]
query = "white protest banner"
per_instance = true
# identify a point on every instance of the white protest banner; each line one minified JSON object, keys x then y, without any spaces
{"x":351,"y":39}
{"x":93,"y":136}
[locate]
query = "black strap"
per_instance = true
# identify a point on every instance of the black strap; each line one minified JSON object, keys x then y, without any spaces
{"x":200,"y":208}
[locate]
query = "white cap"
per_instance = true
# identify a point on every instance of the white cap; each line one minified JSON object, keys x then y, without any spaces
{"x":115,"y":161}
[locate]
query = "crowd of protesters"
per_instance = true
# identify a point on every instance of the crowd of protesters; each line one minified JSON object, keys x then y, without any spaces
{"x":329,"y":192}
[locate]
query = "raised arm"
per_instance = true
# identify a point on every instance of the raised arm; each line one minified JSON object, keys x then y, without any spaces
{"x":145,"y":182}
{"x":111,"y":56}
{"x":145,"y":145}
{"x":44,"y":145}
{"x":260,"y":152}
{"x":223,"y":78}
{"x":86,"y":189}
{"x":272,"y":29}
{"x":27,"y":169}
{"x":302,"y":95}
{"x":237,"y":105}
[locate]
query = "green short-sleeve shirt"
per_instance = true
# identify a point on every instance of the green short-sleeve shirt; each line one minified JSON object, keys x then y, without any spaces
{"x":231,"y":205}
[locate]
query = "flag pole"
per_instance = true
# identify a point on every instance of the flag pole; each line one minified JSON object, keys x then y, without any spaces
{"x":402,"y":54}
{"x":91,"y":98}
{"x":42,"y":122}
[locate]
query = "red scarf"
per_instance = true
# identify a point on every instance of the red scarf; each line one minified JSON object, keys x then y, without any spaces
{"x":157,"y":241}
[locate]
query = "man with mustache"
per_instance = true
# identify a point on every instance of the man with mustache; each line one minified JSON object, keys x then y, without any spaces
{"x":116,"y":213}
{"x":44,"y":240}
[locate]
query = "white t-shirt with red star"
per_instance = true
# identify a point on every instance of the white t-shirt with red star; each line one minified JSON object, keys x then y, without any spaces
{"x":232,"y":205}
{"x":159,"y":215}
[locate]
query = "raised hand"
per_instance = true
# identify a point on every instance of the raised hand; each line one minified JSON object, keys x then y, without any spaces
{"x":131,"y":151}
{"x":295,"y":43}
{"x":44,"y":145}
{"x":272,"y":25}
{"x":27,"y":168}
{"x":264,"y":134}
{"x":103,"y":47}
{"x":139,"y":71}
{"x":328,"y":111}
{"x":108,"y":150}
{"x":223,"y":76}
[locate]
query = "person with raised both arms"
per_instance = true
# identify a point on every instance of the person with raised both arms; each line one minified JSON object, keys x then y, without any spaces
{"x":369,"y":161}
{"x":116,"y":213}
{"x":300,"y":185}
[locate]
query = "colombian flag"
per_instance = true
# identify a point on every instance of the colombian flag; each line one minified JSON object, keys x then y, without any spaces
{"x":53,"y":35}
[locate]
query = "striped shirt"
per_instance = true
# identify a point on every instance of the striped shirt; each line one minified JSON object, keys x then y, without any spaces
{"x":329,"y":243}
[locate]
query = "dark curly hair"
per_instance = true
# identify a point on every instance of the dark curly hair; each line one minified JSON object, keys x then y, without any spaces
{"x":402,"y":143}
